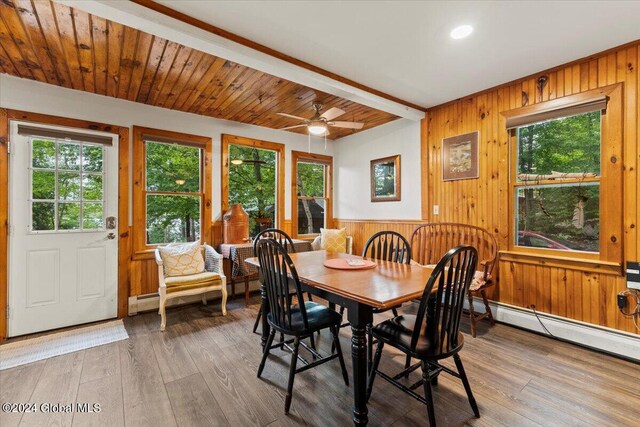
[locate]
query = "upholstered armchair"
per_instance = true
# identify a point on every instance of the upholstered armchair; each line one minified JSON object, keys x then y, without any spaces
{"x":211,"y":279}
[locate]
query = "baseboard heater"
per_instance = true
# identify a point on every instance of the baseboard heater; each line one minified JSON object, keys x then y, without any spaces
{"x":599,"y":338}
{"x":151,"y":302}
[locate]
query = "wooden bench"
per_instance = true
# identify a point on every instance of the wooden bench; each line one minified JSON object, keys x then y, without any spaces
{"x":431,"y":241}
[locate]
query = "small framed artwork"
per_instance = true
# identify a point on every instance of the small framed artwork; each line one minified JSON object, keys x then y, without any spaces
{"x":460,"y":157}
{"x":385,"y":179}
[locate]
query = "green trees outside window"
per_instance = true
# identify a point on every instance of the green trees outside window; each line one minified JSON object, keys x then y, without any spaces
{"x":67,"y":185}
{"x":558,"y":188}
{"x":173,"y":188}
{"x":252,"y":183}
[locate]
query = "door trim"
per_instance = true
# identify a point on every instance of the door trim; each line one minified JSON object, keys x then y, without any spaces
{"x":124,"y":241}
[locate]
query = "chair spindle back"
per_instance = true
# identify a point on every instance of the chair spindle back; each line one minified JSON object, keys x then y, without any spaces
{"x":278,"y":272}
{"x":388,"y":246}
{"x":442,"y":309}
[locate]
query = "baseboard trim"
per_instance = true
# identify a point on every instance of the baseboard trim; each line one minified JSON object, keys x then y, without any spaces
{"x":599,"y":338}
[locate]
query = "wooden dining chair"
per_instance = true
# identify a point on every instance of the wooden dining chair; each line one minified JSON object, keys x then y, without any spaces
{"x":384,"y":246}
{"x":433,"y":334}
{"x":299,"y":320}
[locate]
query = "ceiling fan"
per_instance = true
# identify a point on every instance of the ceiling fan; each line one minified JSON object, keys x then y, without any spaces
{"x":319,"y":124}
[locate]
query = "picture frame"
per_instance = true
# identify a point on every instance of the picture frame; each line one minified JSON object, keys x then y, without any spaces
{"x":460,"y":157}
{"x":385,"y":179}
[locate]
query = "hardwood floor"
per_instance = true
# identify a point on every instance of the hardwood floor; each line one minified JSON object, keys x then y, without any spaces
{"x":202,"y":372}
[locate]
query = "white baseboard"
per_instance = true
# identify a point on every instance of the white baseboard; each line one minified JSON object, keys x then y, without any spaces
{"x":149,"y":302}
{"x":597,"y":337}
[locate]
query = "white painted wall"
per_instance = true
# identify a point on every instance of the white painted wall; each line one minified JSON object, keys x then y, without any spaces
{"x":27,"y":95}
{"x":353,"y":155}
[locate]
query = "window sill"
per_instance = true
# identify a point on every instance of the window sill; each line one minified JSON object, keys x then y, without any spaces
{"x":571,"y":263}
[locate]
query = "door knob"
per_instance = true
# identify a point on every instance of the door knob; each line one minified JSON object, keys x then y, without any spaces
{"x":111,"y":236}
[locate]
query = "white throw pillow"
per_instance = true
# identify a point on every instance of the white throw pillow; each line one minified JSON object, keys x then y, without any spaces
{"x":182,"y":259}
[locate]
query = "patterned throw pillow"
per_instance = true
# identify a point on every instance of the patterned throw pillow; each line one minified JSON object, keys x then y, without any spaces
{"x":211,"y":259}
{"x":182,"y":259}
{"x":334,"y":240}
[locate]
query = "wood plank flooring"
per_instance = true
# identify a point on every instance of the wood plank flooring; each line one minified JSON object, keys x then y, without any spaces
{"x":202,"y":372}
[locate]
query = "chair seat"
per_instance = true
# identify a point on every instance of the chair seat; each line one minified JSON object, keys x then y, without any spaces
{"x":318,"y":317}
{"x":192,"y":281}
{"x":398,"y":331}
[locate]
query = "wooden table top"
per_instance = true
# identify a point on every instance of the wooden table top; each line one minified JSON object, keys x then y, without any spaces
{"x":385,"y":286}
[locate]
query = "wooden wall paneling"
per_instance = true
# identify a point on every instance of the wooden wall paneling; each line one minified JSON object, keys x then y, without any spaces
{"x":581,"y":292}
{"x":124,"y":231}
{"x":84,"y":47}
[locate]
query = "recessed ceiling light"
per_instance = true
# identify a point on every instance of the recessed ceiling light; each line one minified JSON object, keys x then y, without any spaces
{"x":461,"y":32}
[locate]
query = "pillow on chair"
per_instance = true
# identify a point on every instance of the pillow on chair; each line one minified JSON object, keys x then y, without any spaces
{"x":334,"y":240}
{"x":182,"y":259}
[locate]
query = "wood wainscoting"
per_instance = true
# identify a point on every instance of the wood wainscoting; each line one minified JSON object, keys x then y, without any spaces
{"x":362,"y":229}
{"x":584,"y":291}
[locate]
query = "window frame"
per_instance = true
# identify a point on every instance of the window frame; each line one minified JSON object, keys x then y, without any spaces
{"x":228,"y":140}
{"x":300,"y":156}
{"x":141,"y":249}
{"x":610,"y":178}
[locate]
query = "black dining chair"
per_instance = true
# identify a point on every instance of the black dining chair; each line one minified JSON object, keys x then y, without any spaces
{"x":433,"y":334}
{"x":280,"y":237}
{"x":299,"y":320}
{"x":384,"y":246}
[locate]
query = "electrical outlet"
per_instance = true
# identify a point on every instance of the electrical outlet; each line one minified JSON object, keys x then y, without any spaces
{"x":436,"y":209}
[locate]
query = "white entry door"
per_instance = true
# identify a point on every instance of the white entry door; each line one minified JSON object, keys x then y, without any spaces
{"x":63,"y":244}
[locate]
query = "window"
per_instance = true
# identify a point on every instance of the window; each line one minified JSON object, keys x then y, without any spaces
{"x":311,"y":200}
{"x":172,"y":188}
{"x":67,"y":185}
{"x":566,"y":175}
{"x":252,"y":176}
{"x":558,"y":183}
{"x":173,"y":192}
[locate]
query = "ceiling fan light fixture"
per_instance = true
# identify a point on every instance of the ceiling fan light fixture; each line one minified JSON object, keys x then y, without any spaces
{"x":317,"y":127}
{"x":236,"y":162}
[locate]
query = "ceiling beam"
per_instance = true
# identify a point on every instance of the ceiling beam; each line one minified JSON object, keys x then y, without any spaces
{"x":199,"y":35}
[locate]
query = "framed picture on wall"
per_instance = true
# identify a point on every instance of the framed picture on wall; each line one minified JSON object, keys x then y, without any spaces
{"x":385,"y":179}
{"x":460,"y":157}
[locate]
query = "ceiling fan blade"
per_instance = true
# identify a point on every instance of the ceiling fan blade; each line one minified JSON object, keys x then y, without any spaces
{"x":292,"y":127}
{"x":291,"y":116}
{"x":332,"y":113}
{"x":347,"y":125}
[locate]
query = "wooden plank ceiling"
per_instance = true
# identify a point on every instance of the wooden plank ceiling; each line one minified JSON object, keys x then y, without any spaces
{"x":63,"y":46}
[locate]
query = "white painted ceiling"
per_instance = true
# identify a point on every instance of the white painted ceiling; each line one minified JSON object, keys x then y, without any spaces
{"x":403,"y":47}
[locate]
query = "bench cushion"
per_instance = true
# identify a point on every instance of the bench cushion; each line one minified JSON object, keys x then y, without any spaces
{"x":192,"y":281}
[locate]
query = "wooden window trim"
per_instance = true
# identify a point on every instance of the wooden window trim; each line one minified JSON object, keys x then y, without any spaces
{"x":228,"y":140}
{"x":611,"y":179}
{"x":142,"y":250}
{"x":328,"y":189}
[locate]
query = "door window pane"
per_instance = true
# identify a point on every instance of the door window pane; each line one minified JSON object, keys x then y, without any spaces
{"x":57,"y":178}
{"x":69,"y":216}
{"x":172,"y":168}
{"x":43,"y":216}
{"x":252,"y":183}
{"x":68,"y":186}
{"x":44,"y":154}
{"x":92,"y":158}
{"x":69,"y":156}
{"x":92,"y":216}
{"x":561,"y":217}
{"x":43,"y":185}
{"x":92,"y":187}
{"x":172,"y":218}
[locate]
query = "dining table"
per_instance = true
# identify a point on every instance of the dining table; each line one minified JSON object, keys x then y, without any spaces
{"x":359,"y":291}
